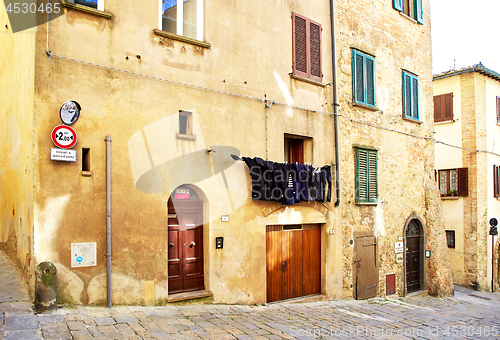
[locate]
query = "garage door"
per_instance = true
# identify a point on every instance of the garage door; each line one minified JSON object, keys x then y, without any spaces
{"x":293,"y":261}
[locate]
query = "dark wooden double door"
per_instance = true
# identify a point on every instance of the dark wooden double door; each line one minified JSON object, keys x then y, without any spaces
{"x":185,"y":246}
{"x":293,"y":258}
{"x":412,"y":264}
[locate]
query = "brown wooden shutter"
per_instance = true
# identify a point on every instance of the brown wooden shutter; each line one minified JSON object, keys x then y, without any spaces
{"x":315,"y":50}
{"x":463,"y":182}
{"x":496,"y":184}
{"x":443,"y":107}
{"x":498,"y":110}
{"x":299,"y":45}
{"x":438,"y":115}
{"x":448,"y":106}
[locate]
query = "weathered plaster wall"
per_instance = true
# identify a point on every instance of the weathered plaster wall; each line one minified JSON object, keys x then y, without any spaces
{"x":405,"y":164}
{"x":17,"y":67}
{"x":148,"y":162}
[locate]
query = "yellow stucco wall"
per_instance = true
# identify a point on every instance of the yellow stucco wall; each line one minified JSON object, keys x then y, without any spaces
{"x":148,"y":161}
{"x":17,"y":78}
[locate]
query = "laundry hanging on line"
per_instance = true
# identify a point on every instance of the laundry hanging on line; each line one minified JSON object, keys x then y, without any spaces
{"x":289,"y":183}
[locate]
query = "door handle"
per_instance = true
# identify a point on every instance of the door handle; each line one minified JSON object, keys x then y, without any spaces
{"x":171,"y":244}
{"x":193,"y":244}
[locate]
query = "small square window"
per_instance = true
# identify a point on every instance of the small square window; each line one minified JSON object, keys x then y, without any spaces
{"x":183,"y":18}
{"x":450,"y":238}
{"x":186,"y":126}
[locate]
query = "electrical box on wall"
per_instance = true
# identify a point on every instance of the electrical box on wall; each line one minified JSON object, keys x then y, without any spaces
{"x":83,"y":254}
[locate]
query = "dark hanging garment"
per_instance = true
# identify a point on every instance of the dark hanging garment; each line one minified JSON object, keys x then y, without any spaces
{"x":266,"y":179}
{"x":313,"y":184}
{"x":257,"y":178}
{"x":289,"y":193}
{"x":302,"y":186}
{"x":279,"y":182}
{"x":321,"y":180}
{"x":269,"y":181}
{"x":327,"y":170}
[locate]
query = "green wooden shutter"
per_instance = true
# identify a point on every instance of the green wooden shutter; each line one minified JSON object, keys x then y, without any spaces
{"x":414,"y":98}
{"x":406,"y":95}
{"x":315,"y":50}
{"x":397,"y":5}
{"x":361,"y":175}
{"x":366,"y":175}
{"x":370,"y":81}
{"x":410,"y":96}
{"x":419,"y":11}
{"x":358,"y":78}
{"x":372,"y":176}
{"x":299,"y":45}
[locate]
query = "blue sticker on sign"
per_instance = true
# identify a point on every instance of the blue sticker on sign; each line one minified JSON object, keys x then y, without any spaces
{"x":79,"y":259}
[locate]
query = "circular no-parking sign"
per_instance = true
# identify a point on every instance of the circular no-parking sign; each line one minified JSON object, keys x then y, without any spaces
{"x":64,"y":136}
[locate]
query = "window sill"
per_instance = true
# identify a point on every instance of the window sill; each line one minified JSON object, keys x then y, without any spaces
{"x":445,"y":122}
{"x":412,"y":120}
{"x":86,"y":173}
{"x":181,"y":38}
{"x":86,"y":9}
{"x":307,"y":80}
{"x":367,"y":203}
{"x":185,"y":137}
{"x":450,"y":198}
{"x":368,"y":107}
{"x":409,"y":18}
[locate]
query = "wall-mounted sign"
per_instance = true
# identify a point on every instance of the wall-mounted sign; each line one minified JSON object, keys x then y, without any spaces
{"x":399,"y":258}
{"x":398,"y":247}
{"x":427,"y":253}
{"x":69,"y":112}
{"x":182,"y":194}
{"x":83,"y":254}
{"x":64,"y":137}
{"x":62,"y":155}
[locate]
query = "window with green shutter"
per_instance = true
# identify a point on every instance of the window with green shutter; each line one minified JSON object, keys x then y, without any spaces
{"x":366,"y":175}
{"x":363,"y":78}
{"x":411,"y":8}
{"x":410,"y":96}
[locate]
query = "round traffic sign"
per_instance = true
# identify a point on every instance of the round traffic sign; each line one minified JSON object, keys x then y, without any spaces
{"x":493,"y":222}
{"x":64,"y":136}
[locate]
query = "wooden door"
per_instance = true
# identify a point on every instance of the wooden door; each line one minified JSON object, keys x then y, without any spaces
{"x":365,"y":267}
{"x":185,"y":248}
{"x":293,"y":261}
{"x":296,"y":154}
{"x":412,"y":264}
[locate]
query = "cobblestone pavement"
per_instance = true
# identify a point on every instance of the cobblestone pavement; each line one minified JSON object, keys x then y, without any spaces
{"x":467,"y":315}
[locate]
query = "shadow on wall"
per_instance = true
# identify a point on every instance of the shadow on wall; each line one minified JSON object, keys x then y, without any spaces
{"x":173,"y":160}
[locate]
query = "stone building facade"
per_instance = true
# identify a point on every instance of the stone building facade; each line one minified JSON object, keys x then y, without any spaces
{"x":467,"y":108}
{"x":182,"y":97}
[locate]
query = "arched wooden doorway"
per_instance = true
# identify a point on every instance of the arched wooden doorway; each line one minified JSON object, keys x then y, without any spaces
{"x":414,"y":240}
{"x":185,"y":241}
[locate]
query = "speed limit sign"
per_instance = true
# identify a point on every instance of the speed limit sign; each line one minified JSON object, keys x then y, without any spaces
{"x":64,"y":136}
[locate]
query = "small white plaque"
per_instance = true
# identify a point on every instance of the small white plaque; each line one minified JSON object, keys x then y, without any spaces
{"x":225,"y":218}
{"x":398,"y":247}
{"x":64,"y":155}
{"x":399,"y":258}
{"x":83,"y":254}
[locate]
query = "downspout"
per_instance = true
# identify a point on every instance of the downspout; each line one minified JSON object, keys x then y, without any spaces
{"x":335,"y":105}
{"x":108,"y":220}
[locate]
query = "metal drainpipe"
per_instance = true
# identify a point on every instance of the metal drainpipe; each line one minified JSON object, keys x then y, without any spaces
{"x":335,"y":118}
{"x":108,"y":220}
